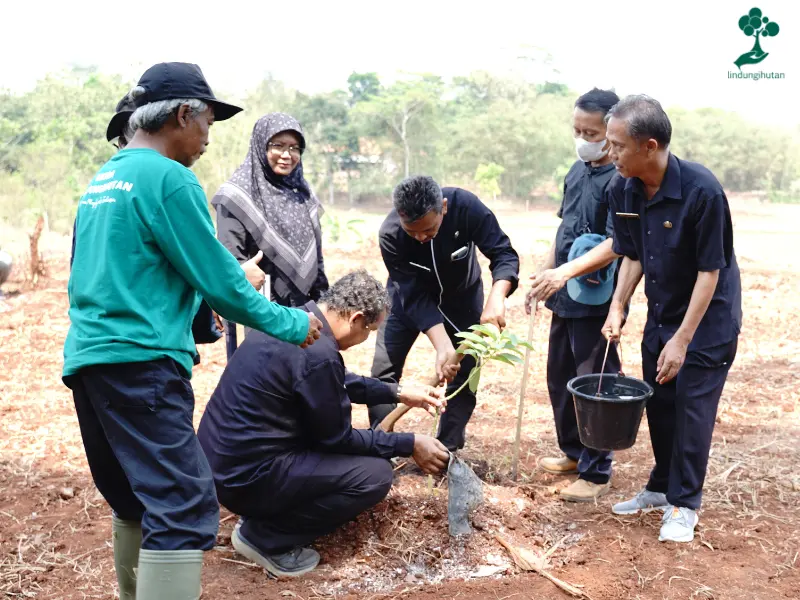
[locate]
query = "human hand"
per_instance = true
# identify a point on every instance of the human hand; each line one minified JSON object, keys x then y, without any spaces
{"x":671,"y":359}
{"x":546,"y":283}
{"x":253,"y":272}
{"x":314,"y":328}
{"x":430,"y":454}
{"x":612,"y":329}
{"x":447,"y":363}
{"x":423,"y":396}
{"x":494,"y":312}
{"x":218,"y":322}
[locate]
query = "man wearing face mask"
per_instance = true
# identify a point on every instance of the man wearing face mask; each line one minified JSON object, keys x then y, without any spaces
{"x":577,"y":345}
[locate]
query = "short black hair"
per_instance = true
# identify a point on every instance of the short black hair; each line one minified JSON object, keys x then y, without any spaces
{"x":357,"y":291}
{"x":597,"y":101}
{"x":645,"y":117}
{"x":416,"y":196}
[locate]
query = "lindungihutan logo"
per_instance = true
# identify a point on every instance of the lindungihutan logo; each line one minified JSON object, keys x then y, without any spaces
{"x":757,"y":25}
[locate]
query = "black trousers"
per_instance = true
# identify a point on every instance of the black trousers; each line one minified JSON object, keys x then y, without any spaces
{"x":577,"y":347}
{"x":681,"y":416}
{"x":395,"y":339}
{"x":339,"y":489}
{"x":145,"y":459}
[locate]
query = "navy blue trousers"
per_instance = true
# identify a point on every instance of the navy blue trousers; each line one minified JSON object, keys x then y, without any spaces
{"x":339,"y":489}
{"x":681,"y":417}
{"x":136,"y":425}
{"x":577,"y":347}
{"x":395,"y":339}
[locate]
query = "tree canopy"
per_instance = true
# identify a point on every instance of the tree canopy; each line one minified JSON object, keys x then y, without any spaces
{"x":497,"y":136}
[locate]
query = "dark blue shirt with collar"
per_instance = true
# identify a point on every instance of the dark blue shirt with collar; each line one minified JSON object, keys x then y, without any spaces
{"x":684,"y":229}
{"x":584,"y":209}
{"x":427,"y":281}
{"x":278,"y":406}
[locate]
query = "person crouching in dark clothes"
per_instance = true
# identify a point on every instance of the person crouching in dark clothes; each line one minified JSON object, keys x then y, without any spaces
{"x":429,"y":244}
{"x":278,"y":436}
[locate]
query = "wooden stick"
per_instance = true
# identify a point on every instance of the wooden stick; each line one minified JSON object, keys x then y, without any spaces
{"x":522,"y":389}
{"x":391,"y":419}
{"x":528,"y":561}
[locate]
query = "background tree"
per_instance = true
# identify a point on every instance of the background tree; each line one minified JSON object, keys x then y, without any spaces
{"x":487,"y":177}
{"x":405,"y":108}
{"x":364,"y":137}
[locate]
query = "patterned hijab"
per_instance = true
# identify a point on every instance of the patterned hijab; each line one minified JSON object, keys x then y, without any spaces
{"x":281,"y":213}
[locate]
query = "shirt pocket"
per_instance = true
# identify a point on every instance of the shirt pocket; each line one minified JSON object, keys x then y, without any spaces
{"x":679,"y":255}
{"x":461,"y":253}
{"x":599,"y":215}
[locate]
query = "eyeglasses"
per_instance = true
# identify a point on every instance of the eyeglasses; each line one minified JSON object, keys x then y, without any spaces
{"x":279,"y":149}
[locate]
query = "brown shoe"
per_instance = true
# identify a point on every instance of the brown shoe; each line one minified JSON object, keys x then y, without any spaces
{"x":559,"y":466}
{"x":581,"y":490}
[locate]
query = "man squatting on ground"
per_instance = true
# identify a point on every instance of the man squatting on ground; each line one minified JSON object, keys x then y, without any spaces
{"x":672,"y":225}
{"x":428,"y":244}
{"x":579,"y":304}
{"x":278,"y":434}
{"x":144,"y":247}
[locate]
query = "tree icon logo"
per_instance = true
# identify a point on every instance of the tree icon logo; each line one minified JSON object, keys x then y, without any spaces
{"x":755,"y":24}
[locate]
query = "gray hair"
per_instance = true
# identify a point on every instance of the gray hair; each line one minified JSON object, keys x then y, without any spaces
{"x":357,"y":291}
{"x":127,"y":134}
{"x":645,"y":118}
{"x":152,"y":117}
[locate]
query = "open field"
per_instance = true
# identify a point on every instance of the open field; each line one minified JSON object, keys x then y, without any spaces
{"x":55,"y":528}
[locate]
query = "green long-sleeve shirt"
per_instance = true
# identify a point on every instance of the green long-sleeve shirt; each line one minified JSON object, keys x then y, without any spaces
{"x":145,"y":246}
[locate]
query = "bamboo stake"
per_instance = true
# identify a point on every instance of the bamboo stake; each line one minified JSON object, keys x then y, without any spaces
{"x":522,"y":388}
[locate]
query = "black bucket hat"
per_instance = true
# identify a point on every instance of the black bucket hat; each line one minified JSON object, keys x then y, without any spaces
{"x":171,"y":80}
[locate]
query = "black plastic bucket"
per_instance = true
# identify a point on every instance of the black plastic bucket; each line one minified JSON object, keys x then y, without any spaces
{"x":610,"y":420}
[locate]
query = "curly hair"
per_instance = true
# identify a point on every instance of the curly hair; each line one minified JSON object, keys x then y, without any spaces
{"x":357,"y":291}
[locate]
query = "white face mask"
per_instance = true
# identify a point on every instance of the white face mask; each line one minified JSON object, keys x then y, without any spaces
{"x":590,"y":151}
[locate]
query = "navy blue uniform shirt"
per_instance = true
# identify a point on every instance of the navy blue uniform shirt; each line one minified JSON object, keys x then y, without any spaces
{"x":584,"y":209}
{"x":278,"y":406}
{"x":685,"y":228}
{"x":428,"y":279}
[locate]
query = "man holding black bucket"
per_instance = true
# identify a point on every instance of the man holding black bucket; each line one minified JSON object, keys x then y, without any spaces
{"x":577,"y":346}
{"x":673,"y":226}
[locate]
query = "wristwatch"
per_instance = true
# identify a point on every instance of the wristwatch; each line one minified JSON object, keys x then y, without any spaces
{"x":399,"y":389}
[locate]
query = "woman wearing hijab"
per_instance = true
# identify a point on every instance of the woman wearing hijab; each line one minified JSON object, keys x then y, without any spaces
{"x":268,"y":206}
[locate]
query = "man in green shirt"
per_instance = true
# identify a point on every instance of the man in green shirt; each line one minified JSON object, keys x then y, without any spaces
{"x":145,"y":253}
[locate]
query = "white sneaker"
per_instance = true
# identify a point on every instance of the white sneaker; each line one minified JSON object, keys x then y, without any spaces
{"x":678,"y":525}
{"x":645,"y":501}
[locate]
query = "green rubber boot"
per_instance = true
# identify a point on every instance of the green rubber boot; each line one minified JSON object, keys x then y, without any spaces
{"x":127,"y":536}
{"x":169,"y":575}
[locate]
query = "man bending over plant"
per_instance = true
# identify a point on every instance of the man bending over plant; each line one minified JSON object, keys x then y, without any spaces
{"x":428,"y":243}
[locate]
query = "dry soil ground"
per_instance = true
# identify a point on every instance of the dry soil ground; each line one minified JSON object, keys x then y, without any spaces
{"x":55,"y":528}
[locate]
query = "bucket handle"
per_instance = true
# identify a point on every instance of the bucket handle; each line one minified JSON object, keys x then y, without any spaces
{"x":605,"y":357}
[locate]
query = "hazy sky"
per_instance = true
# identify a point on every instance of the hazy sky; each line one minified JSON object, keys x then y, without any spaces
{"x":677,"y":51}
